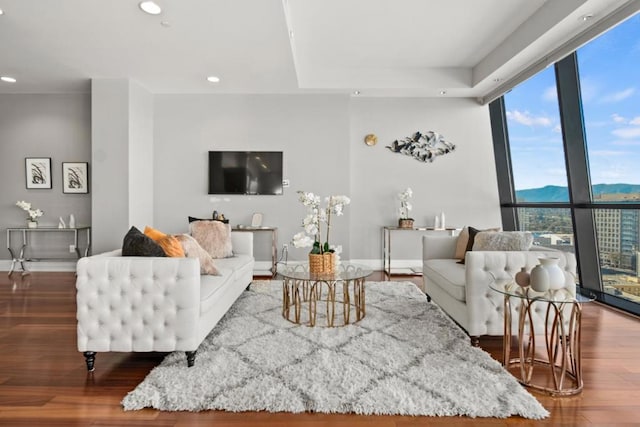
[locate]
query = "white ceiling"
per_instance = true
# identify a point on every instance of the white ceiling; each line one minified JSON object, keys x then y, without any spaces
{"x":379,"y":47}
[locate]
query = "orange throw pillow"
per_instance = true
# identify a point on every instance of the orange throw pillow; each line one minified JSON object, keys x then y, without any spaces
{"x":153,"y":233}
{"x":171,"y":246}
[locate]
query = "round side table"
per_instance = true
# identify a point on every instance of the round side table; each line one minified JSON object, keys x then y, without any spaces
{"x":562,"y":354}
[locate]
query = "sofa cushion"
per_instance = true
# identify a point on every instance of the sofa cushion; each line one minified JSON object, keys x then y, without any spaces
{"x":503,"y":241}
{"x":471,"y":233}
{"x":448,"y":275}
{"x":211,"y":287}
{"x":214,"y":237}
{"x":192,"y":249}
{"x":135,"y":243}
{"x":237,"y":263}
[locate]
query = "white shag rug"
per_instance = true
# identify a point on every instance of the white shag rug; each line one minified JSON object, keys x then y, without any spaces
{"x":406,"y":357}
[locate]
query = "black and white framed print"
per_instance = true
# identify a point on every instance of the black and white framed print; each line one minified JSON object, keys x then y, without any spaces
{"x":38,"y":172}
{"x":75,"y":177}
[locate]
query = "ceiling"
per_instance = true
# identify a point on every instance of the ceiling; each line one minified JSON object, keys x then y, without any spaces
{"x":466,"y":48}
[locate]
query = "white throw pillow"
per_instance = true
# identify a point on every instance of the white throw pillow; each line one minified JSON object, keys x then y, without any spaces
{"x":503,"y":241}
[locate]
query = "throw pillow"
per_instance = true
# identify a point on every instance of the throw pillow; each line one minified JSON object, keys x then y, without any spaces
{"x":153,"y":233}
{"x":213,"y":236}
{"x":462,"y":244}
{"x":193,"y":250}
{"x":503,"y":241}
{"x":135,"y":243}
{"x":171,"y":246}
{"x":472,"y":237}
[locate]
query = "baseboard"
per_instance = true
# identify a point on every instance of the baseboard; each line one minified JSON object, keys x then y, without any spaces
{"x":5,"y":265}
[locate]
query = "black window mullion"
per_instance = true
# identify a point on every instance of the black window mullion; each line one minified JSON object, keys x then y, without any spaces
{"x":577,"y":162}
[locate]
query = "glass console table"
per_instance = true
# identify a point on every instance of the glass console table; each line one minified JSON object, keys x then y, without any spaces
{"x":387,"y":232}
{"x":562,"y":356}
{"x":25,"y":232}
{"x":274,"y":242}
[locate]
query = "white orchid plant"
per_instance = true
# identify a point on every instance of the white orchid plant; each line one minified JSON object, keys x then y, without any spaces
{"x":312,"y":223}
{"x":34,"y":214}
{"x":405,"y":206}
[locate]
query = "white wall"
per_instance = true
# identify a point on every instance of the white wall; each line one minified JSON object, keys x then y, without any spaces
{"x":312,"y":131}
{"x":43,"y":125}
{"x":461,"y":184}
{"x":322,"y":139}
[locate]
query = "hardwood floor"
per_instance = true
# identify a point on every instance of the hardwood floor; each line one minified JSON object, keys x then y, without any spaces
{"x":43,"y":379}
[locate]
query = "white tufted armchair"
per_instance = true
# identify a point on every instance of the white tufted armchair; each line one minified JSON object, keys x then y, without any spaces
{"x":463,"y":292}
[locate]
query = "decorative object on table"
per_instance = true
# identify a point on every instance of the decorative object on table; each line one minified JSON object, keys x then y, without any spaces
{"x":72,"y":221}
{"x":439,"y":222}
{"x":406,"y":357}
{"x":523,"y":279}
{"x":75,"y":177}
{"x":442,"y":221}
{"x":422,"y":147}
{"x":61,"y":223}
{"x":405,"y":208}
{"x":38,"y":172}
{"x":539,"y":279}
{"x":555,"y":273}
{"x":323,"y":256}
{"x":371,"y":140}
{"x":256,"y":220}
{"x":32,"y":214}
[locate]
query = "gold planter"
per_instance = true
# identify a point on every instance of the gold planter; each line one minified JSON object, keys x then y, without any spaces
{"x":322,"y":263}
{"x":405,"y":223}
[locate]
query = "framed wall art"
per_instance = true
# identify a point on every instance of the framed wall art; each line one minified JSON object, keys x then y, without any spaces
{"x":75,"y":177}
{"x":38,"y":172}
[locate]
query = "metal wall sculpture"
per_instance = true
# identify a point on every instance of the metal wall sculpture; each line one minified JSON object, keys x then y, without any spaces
{"x":422,"y":147}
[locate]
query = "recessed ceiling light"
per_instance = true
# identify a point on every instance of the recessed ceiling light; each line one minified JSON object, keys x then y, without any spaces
{"x":443,"y":92}
{"x":356,"y":92}
{"x":1,"y":12}
{"x":150,"y":7}
{"x":497,"y":80}
{"x":8,"y":79}
{"x":165,"y":24}
{"x":586,"y":17}
{"x":213,"y":79}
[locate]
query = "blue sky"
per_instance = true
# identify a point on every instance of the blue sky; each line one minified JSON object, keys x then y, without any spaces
{"x":609,"y":69}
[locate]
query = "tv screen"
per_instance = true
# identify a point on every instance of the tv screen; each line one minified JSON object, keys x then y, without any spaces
{"x":245,"y":172}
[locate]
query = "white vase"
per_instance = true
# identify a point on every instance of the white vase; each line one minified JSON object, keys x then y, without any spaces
{"x":32,"y":224}
{"x":539,"y":279}
{"x":436,"y":223}
{"x":72,"y":221}
{"x":556,"y":275}
{"x":442,"y":223}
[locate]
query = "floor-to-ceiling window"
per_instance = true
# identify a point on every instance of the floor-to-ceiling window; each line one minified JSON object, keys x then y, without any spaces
{"x":570,"y":142}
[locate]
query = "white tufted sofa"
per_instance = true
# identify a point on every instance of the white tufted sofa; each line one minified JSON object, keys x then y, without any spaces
{"x":155,"y":304}
{"x":462,"y":290}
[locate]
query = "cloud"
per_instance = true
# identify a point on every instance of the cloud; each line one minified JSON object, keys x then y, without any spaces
{"x":618,"y":118}
{"x":557,"y":129}
{"x":635,"y":121}
{"x":609,"y":153}
{"x":550,"y":94}
{"x":619,"y":96}
{"x":625,"y":142}
{"x":627,"y":133}
{"x":527,"y":119}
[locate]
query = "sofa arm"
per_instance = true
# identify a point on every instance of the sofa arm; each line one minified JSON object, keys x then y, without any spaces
{"x":438,"y":247}
{"x":137,"y":303}
{"x":242,"y":242}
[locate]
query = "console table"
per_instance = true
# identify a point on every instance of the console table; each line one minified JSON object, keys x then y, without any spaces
{"x":386,"y":247}
{"x":274,"y":241}
{"x":25,"y":232}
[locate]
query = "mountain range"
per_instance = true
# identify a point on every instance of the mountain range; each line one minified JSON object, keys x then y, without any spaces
{"x":554,"y":193}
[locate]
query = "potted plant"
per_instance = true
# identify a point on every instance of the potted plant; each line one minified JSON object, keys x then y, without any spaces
{"x":405,"y":208}
{"x":33,"y":214}
{"x":322,"y":258}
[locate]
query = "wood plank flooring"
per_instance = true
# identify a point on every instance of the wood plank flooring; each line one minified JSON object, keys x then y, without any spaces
{"x":43,"y":379}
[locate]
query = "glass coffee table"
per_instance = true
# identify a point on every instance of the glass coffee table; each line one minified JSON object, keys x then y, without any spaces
{"x":324,"y":298}
{"x":562,"y":354}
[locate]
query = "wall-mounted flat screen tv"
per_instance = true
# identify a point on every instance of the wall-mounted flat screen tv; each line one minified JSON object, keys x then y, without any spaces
{"x":245,"y":172}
